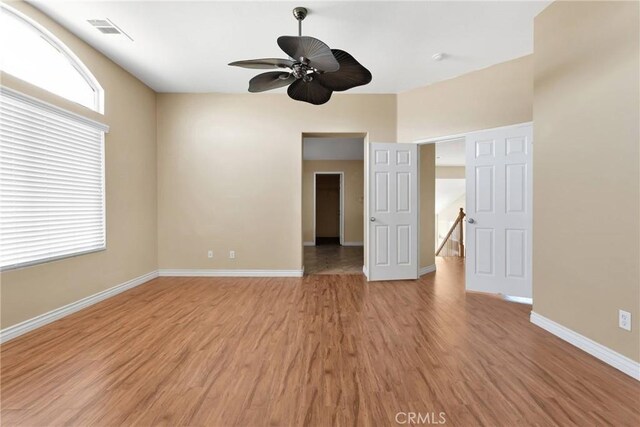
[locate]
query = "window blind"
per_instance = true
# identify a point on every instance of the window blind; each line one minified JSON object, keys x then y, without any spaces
{"x":52,"y":195}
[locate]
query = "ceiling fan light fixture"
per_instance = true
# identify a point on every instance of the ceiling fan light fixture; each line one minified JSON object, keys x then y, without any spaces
{"x":312,"y":72}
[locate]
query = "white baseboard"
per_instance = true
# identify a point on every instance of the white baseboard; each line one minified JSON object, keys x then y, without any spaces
{"x":608,"y":356}
{"x":428,"y":269}
{"x":422,"y":271}
{"x":14,"y":331}
{"x":519,"y":300}
{"x":230,"y":273}
{"x":309,"y":243}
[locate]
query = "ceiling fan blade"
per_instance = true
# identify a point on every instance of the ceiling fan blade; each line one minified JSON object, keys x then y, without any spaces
{"x":263,"y":63}
{"x":350,"y":74}
{"x":311,"y":92}
{"x":318,"y":53}
{"x":270,"y":80}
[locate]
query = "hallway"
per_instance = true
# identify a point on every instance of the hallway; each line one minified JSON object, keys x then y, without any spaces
{"x":333,"y":259}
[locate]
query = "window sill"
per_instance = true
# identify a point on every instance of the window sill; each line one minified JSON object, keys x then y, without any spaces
{"x":48,"y":260}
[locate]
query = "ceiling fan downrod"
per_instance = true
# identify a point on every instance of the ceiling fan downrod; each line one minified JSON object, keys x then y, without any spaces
{"x":300,"y":13}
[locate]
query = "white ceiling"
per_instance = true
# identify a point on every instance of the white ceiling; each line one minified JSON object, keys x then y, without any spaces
{"x":450,"y":153}
{"x":333,"y":148}
{"x":186,"y":46}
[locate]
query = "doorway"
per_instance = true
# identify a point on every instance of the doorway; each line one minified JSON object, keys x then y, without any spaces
{"x":328,"y":221}
{"x":333,"y":186}
{"x":497,"y":209}
{"x":450,"y":198}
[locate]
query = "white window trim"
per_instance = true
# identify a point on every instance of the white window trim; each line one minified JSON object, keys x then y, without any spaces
{"x":35,"y":102}
{"x":12,"y":93}
{"x":63,"y":49}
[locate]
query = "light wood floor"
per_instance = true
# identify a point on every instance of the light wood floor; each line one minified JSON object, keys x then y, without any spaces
{"x":317,"y":351}
{"x":333,"y":259}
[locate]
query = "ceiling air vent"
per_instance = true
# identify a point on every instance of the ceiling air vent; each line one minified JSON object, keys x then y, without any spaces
{"x":105,"y":26}
{"x":109,"y":30}
{"x":99,"y":22}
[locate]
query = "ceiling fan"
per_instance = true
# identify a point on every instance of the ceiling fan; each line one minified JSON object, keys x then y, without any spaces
{"x":313,"y":71}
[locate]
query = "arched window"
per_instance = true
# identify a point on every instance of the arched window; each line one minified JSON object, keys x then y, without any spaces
{"x":30,"y":53}
{"x":52,"y":175}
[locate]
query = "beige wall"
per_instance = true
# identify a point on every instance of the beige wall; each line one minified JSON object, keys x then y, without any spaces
{"x":586,"y":113}
{"x":130,"y":199}
{"x":427,"y":204}
{"x":230,"y":173}
{"x":353,"y":196}
{"x":450,"y":172}
{"x":496,"y":96}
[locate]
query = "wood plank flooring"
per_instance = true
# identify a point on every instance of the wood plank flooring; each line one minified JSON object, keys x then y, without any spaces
{"x":315,"y":351}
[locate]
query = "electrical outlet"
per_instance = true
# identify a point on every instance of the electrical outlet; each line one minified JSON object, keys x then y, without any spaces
{"x":624,"y":320}
{"x":232,"y":254}
{"x":210,"y":254}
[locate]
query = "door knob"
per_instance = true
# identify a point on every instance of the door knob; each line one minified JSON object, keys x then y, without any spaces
{"x":372,"y":219}
{"x":471,"y":221}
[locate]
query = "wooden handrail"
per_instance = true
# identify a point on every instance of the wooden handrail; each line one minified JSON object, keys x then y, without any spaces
{"x":458,"y":220}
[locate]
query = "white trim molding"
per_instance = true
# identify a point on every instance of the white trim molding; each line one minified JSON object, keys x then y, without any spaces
{"x":519,"y":300}
{"x":50,"y":108}
{"x":15,"y":331}
{"x":308,"y":243}
{"x":353,"y":244}
{"x":449,"y":138}
{"x":608,"y":356}
{"x":425,"y":270}
{"x":180,"y":272}
{"x":365,"y":272}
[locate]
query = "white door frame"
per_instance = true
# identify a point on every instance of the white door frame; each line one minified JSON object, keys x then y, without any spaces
{"x":341,"y":173}
{"x":464,"y":135}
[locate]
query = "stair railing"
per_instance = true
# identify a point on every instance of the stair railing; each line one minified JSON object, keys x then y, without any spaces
{"x":448,"y":241}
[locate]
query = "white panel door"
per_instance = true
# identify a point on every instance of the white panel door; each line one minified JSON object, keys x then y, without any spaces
{"x":393,"y":211}
{"x":499,"y":202}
